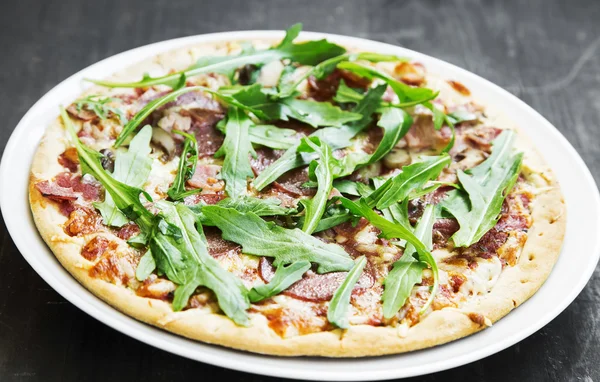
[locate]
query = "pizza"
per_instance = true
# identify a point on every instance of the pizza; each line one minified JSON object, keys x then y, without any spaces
{"x":296,"y":198}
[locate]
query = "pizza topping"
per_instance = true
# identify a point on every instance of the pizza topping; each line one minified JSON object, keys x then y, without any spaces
{"x":410,"y":73}
{"x":157,"y":288}
{"x":115,"y":265}
{"x":55,"y":192}
{"x":69,"y":159}
{"x":313,"y":286}
{"x":82,"y":221}
{"x":240,"y":156}
{"x":95,"y":248}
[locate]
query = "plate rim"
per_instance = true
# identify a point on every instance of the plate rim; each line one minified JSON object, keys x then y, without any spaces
{"x":123,"y":324}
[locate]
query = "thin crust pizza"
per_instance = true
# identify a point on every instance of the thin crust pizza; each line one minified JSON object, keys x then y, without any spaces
{"x":296,"y":198}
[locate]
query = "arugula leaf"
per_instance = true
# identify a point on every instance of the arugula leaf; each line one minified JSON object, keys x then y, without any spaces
{"x":147,"y":110}
{"x":145,"y":267}
{"x":322,"y":171}
{"x":317,"y":113}
{"x":132,"y":168}
{"x":244,"y":204}
{"x":335,"y":214}
{"x":125,"y":197}
{"x":186,"y":262}
{"x":399,"y":284}
{"x":258,"y":101}
{"x":186,"y":168}
{"x":336,"y":138}
{"x":178,"y":246}
{"x":407,"y":271}
{"x":477,"y":207}
{"x":347,"y":187}
{"x":346,"y":94}
{"x":308,"y":53}
{"x":236,"y":149}
{"x":260,"y":238}
{"x":284,"y":277}
{"x":413,"y":176}
{"x":286,"y":89}
{"x":337,"y":313}
{"x":391,"y":230}
{"x":407,"y":94}
{"x":100,"y":106}
{"x":395,"y":123}
{"x":272,"y":136}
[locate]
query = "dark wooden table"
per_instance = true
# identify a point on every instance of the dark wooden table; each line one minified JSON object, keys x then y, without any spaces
{"x":545,"y":52}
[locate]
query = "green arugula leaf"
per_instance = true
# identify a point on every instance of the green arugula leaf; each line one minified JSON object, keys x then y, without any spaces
{"x":145,"y":267}
{"x":391,"y":230}
{"x":125,"y":197}
{"x":308,"y":53}
{"x":346,"y":94}
{"x":337,"y":313}
{"x":395,"y":123}
{"x":132,"y":168}
{"x":236,"y":149}
{"x":186,"y":262}
{"x":317,"y":113}
{"x":177,"y":244}
{"x":244,"y":204}
{"x":272,"y":136}
{"x":412,"y":177}
{"x":322,"y":171}
{"x":186,"y":168}
{"x":147,"y":110}
{"x":284,"y":277}
{"x":335,"y":214}
{"x":287,"y":88}
{"x":100,"y":105}
{"x":407,"y":271}
{"x":399,"y":283}
{"x":336,"y":138}
{"x":477,"y":207}
{"x":407,"y":94}
{"x":260,"y":238}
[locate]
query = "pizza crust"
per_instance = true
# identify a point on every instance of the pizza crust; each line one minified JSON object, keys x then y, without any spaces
{"x":515,"y":285}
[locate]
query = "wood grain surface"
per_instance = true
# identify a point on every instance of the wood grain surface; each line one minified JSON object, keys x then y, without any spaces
{"x":545,"y":52}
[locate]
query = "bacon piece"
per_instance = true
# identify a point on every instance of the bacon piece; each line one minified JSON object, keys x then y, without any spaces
{"x":325,"y":88}
{"x":206,"y":198}
{"x":264,"y":158}
{"x":199,"y":99}
{"x":82,"y":221}
{"x":55,"y":192}
{"x":203,"y":126}
{"x":443,"y":229}
{"x":292,"y":181}
{"x":456,"y":281}
{"x":317,"y":287}
{"x":128,"y":231}
{"x":482,"y":137}
{"x":462,"y":89}
{"x":90,"y":191}
{"x":83,"y":114}
{"x":69,"y":159}
{"x":95,"y":248}
{"x":422,"y":134}
{"x":205,"y":178}
{"x":217,"y":246}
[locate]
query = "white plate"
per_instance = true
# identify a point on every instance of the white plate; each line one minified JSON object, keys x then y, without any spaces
{"x":575,"y":266}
